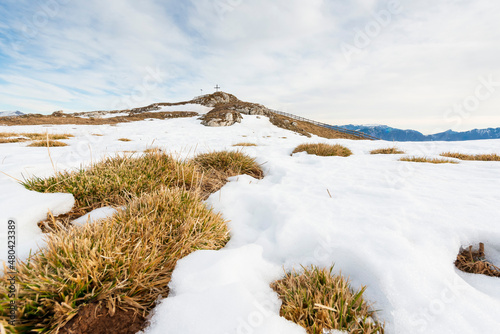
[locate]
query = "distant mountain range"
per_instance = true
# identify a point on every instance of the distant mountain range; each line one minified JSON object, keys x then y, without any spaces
{"x":387,"y":133}
{"x":11,"y":113}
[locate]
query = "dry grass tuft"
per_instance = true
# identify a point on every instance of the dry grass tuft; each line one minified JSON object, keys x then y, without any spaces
{"x":319,"y":302}
{"x":245,"y":144}
{"x":49,"y":143}
{"x":11,"y":137}
{"x":124,"y":139}
{"x":36,"y":136}
{"x":325,"y":150}
{"x":155,"y":150}
{"x":43,"y":136}
{"x":474,"y":262}
{"x":125,"y":261}
{"x":37,"y":119}
{"x":229,"y":163}
{"x":389,"y":150}
{"x":8,"y":134}
{"x":429,"y":160}
{"x":12,"y":140}
{"x":476,"y":157}
{"x":117,"y":179}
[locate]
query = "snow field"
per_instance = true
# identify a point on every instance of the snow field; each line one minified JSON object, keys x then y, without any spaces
{"x":393,"y":226}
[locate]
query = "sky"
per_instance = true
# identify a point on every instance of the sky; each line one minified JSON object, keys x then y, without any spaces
{"x":425,"y":65}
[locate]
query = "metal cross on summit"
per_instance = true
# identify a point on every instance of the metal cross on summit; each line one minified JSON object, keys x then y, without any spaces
{"x":217,"y":87}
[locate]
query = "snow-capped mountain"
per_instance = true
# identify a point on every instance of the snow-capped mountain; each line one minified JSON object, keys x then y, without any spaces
{"x":11,"y":113}
{"x":393,"y":134}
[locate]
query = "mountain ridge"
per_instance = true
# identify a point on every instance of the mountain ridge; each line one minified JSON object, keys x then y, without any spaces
{"x":11,"y":113}
{"x":385,"y":132}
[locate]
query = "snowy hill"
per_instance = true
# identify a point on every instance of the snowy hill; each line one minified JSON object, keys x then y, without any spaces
{"x":388,"y":133}
{"x":393,"y":226}
{"x":11,"y":113}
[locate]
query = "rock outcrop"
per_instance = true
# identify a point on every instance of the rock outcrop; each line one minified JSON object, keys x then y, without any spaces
{"x":227,"y":109}
{"x":211,"y":100}
{"x":221,"y":118}
{"x":248,"y":108}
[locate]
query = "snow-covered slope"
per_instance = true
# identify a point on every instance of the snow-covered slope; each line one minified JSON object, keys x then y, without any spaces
{"x":10,"y":113}
{"x":393,"y":226}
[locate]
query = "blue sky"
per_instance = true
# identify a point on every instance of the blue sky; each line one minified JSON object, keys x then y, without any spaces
{"x":426,"y":65}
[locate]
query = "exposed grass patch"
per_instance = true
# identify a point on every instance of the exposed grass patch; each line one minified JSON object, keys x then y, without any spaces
{"x":12,"y":140}
{"x":306,"y":128}
{"x":12,"y":137}
{"x":245,"y":144}
{"x":429,"y":160}
{"x":318,"y":301}
{"x":473,"y":261}
{"x":36,"y":119}
{"x":474,"y":157}
{"x":97,"y":134}
{"x":43,"y":136}
{"x":323,"y":149}
{"x":125,"y":261}
{"x":153,"y":150}
{"x":115,"y":180}
{"x":8,"y":134}
{"x":124,"y":139}
{"x":389,"y":150}
{"x":229,"y":163}
{"x":49,"y":143}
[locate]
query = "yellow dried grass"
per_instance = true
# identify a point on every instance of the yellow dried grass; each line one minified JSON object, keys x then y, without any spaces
{"x":124,"y":261}
{"x":474,"y":157}
{"x":325,"y":150}
{"x":319,"y":301}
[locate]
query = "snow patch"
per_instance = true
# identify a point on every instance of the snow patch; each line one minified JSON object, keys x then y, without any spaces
{"x":95,"y":215}
{"x":27,"y":208}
